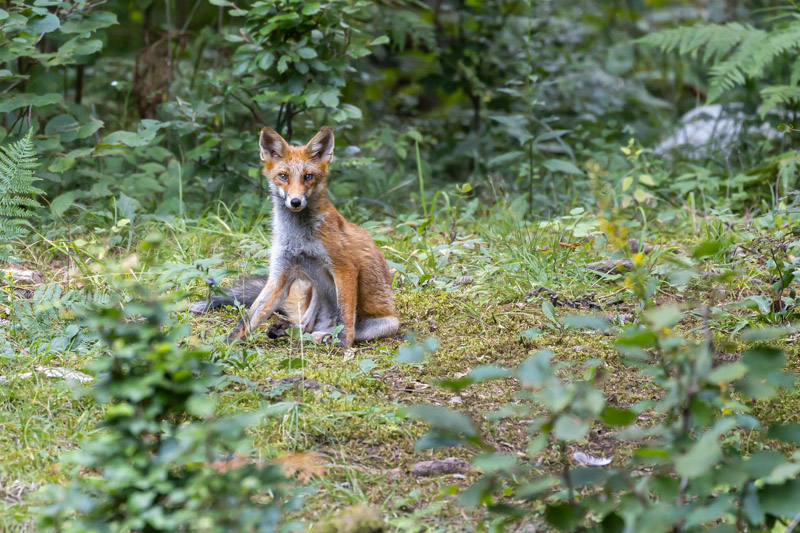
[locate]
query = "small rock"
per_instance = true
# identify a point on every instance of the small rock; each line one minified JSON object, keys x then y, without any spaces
{"x":19,"y":274}
{"x":440,"y":467}
{"x":456,"y":400}
{"x":611,"y":265}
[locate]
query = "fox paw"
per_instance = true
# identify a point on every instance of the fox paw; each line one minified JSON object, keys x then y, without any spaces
{"x":278,"y":329}
{"x":326,"y":337}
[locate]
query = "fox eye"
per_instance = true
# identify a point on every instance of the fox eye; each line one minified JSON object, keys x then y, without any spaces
{"x":282,"y":176}
{"x":309,"y":177}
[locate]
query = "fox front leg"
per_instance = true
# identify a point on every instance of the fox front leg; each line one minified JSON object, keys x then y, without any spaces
{"x":269,"y":300}
{"x":346,"y":280}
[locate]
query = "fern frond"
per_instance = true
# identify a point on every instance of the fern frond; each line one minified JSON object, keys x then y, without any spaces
{"x":751,"y":58}
{"x":17,"y":163}
{"x":737,"y":53}
{"x":775,"y":95}
{"x":717,"y":39}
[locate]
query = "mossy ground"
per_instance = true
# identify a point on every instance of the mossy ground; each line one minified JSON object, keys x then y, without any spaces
{"x":471,"y":289}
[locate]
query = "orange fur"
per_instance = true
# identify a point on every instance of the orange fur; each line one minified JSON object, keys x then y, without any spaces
{"x":359,"y":271}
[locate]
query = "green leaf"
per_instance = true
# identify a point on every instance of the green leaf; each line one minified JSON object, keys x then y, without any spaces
{"x":665,"y":316}
{"x":307,"y":53}
{"x":383,"y":39}
{"x":89,"y":128}
{"x":330,"y":98}
{"x":63,"y":202}
{"x":705,"y":453}
{"x":506,"y":157}
{"x":647,"y":179}
{"x":787,"y":433}
{"x":535,"y":370}
{"x":202,"y":406}
{"x":535,"y":488}
{"x":562,"y":515}
{"x":569,"y":427}
{"x":46,"y":24}
{"x":767,"y":334}
{"x":60,"y":164}
{"x":485,"y":373}
{"x":549,"y":311}
{"x":311,"y":8}
{"x":727,"y":373}
{"x":28,"y":99}
{"x":562,"y":165}
{"x":781,"y":500}
{"x":627,"y":181}
{"x":95,"y":21}
{"x":494,"y":462}
{"x":585,"y":322}
{"x":444,"y":419}
{"x":531,"y":334}
{"x":705,"y":249}
{"x":613,"y":416}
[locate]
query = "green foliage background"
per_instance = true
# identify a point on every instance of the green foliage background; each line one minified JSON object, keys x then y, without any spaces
{"x":500,"y":152}
{"x":160,"y":102}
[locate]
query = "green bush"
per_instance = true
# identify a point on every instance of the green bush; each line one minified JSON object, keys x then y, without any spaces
{"x":691,"y":465}
{"x":162,"y":460}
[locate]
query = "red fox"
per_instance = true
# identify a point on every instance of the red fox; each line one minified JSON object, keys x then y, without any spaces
{"x":324,"y":271}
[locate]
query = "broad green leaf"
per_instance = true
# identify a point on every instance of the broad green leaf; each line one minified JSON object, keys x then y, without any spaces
{"x":311,"y":8}
{"x":665,"y":316}
{"x":28,"y":99}
{"x":707,"y":248}
{"x":531,"y":334}
{"x":613,"y":416}
{"x":585,"y":322}
{"x":562,"y":165}
{"x":444,"y":419}
{"x":549,"y":311}
{"x":766,"y":334}
{"x":493,"y":462}
{"x":727,"y":373}
{"x":705,"y":453}
{"x":484,"y":373}
{"x":62,"y":202}
{"x":46,"y":24}
{"x":569,"y":427}
{"x":787,"y":433}
{"x":535,"y":370}
{"x":563,"y":516}
{"x":307,"y":53}
{"x":95,"y":21}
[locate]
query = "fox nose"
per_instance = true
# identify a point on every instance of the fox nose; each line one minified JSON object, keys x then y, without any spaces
{"x":295,"y":202}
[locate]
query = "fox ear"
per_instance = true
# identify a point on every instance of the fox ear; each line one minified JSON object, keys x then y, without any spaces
{"x":272,"y":144}
{"x":320,"y":147}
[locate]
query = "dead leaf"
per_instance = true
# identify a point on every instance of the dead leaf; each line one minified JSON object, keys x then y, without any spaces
{"x":305,"y":465}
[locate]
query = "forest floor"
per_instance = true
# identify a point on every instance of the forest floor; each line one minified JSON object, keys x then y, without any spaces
{"x":478,"y":287}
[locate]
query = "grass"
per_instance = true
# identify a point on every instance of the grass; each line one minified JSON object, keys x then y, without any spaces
{"x":469,"y":283}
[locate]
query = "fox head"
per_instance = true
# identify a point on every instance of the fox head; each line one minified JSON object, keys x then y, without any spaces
{"x":296,"y":174}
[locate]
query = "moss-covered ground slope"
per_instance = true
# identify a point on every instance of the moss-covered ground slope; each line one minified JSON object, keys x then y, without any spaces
{"x":474,"y":286}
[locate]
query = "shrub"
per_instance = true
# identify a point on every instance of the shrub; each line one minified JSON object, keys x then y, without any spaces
{"x":691,"y":466}
{"x":162,"y":460}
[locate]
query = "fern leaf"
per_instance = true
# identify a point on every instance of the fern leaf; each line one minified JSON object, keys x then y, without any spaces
{"x":17,"y":163}
{"x":776,"y":95}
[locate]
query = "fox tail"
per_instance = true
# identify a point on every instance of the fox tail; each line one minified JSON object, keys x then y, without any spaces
{"x":245,"y":292}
